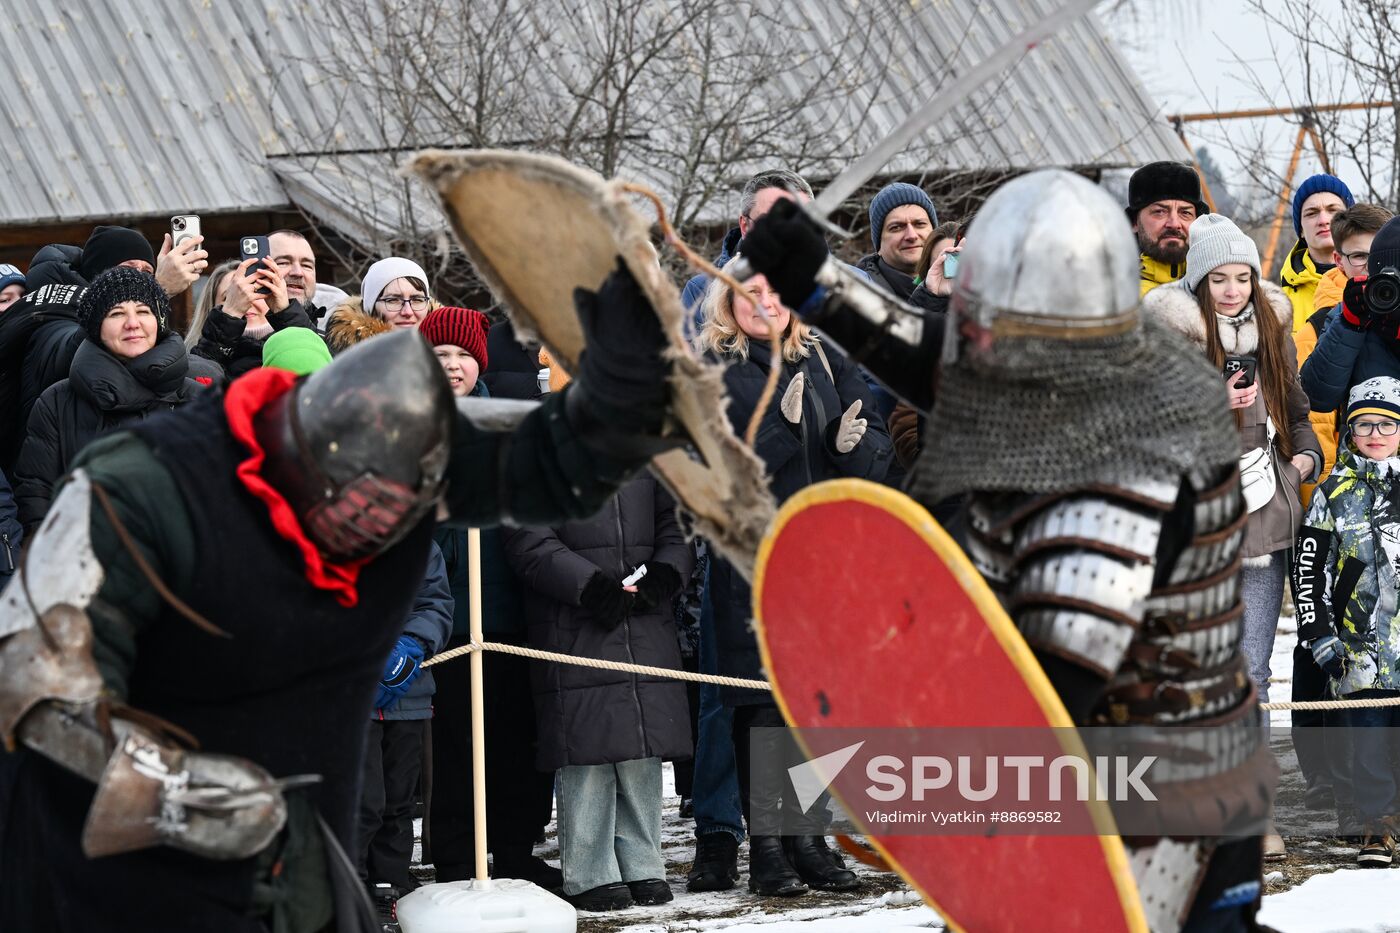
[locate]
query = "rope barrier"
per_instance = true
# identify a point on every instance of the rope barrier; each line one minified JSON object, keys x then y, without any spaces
{"x":598,"y":663}
{"x":673,"y":674}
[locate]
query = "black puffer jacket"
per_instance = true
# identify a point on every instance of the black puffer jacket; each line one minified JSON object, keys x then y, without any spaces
{"x":102,"y":393}
{"x":587,"y":716}
{"x":222,"y":339}
{"x":38,"y":336}
{"x":795,"y":458}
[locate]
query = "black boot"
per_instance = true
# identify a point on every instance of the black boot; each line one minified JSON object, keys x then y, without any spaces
{"x":716,"y":865}
{"x":524,"y":864}
{"x":817,"y":865}
{"x":770,"y":875}
{"x":613,"y":896}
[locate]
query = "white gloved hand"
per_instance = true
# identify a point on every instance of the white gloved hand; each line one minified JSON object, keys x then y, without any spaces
{"x":791,"y":405}
{"x":850,"y":429}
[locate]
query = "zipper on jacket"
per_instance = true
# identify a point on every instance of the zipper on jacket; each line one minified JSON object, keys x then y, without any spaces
{"x":9,"y":554}
{"x":627,"y":625}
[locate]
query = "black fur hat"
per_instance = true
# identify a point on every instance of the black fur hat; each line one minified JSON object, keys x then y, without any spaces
{"x":1164,"y":181}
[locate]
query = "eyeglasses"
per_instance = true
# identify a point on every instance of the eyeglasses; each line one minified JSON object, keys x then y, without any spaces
{"x":1358,"y":258}
{"x":1366,"y":428}
{"x":395,"y":303}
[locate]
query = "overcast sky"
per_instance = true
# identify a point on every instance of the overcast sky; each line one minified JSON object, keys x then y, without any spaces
{"x":1212,"y":55}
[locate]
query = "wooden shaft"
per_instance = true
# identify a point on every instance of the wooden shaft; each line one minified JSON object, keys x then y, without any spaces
{"x":1274,"y":112}
{"x":1321,"y":152}
{"x":478,"y":711}
{"x":1283,"y":199}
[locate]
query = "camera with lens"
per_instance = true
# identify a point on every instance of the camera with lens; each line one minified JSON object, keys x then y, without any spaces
{"x":1383,"y":292}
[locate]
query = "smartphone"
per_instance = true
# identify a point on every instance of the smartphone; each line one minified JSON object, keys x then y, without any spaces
{"x":950,"y":266}
{"x":183,"y":227}
{"x":1234,"y":364}
{"x":254,"y":247}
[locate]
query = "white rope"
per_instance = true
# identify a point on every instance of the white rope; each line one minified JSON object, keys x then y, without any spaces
{"x":598,"y":663}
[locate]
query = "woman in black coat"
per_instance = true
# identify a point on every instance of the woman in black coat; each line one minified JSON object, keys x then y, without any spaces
{"x":233,"y":331}
{"x":820,"y":425}
{"x":129,"y":366}
{"x":605,"y":731}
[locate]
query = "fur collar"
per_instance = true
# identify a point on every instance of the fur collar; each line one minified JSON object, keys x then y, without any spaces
{"x":1175,"y":307}
{"x":349,"y":325}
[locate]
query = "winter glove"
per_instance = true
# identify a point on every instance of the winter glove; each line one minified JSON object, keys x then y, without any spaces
{"x":791,"y":405}
{"x":786,"y":246}
{"x":659,"y":586}
{"x":400,"y":671}
{"x":605,"y":598}
{"x":844,"y":433}
{"x":621,"y":379}
{"x":1354,"y":309}
{"x":1327,"y":652}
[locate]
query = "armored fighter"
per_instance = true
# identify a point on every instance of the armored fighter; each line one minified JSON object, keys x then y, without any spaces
{"x":190,"y":653}
{"x":1101,"y":468}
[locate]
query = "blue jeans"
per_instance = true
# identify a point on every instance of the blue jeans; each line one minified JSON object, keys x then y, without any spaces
{"x":610,"y":824}
{"x":715,"y":791}
{"x":1372,"y":775}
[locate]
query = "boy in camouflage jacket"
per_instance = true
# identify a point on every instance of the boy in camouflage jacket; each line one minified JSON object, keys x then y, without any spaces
{"x":1347,"y":592}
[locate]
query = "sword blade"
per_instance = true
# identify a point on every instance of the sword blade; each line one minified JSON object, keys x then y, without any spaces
{"x":944,"y":100}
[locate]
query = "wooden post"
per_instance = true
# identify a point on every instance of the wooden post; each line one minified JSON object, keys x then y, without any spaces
{"x":483,"y":878}
{"x":1283,"y":201}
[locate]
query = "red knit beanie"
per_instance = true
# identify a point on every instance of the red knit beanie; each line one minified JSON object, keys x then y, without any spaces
{"x":461,"y":327}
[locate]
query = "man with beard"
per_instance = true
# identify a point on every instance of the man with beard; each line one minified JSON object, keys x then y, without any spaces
{"x":1163,"y":199}
{"x":1100,"y":464}
{"x":209,"y":607}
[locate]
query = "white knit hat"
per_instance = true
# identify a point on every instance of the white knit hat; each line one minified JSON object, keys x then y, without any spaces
{"x":382,"y":273}
{"x":1216,"y":241}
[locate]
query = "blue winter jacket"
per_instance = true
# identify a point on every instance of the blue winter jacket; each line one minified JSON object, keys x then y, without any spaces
{"x":430,"y":622}
{"x":11,"y":534}
{"x":1344,"y":356}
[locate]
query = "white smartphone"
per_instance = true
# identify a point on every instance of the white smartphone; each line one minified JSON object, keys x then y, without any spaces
{"x":183,"y":227}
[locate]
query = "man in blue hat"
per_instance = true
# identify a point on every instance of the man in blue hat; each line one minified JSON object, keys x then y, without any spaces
{"x":1316,"y":202}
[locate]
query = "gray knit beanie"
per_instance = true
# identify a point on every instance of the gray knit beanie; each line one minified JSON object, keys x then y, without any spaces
{"x":896,"y":195}
{"x":1216,"y":241}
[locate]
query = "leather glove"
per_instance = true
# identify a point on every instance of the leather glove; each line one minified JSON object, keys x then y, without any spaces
{"x":844,"y":433}
{"x":400,"y":671}
{"x":622,"y":370}
{"x":659,"y":586}
{"x":1328,"y":654}
{"x":791,"y":404}
{"x":1354,"y":308}
{"x":605,"y":598}
{"x":787,"y":247}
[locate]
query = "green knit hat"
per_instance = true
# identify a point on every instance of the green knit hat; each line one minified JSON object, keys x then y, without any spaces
{"x":297,"y":349}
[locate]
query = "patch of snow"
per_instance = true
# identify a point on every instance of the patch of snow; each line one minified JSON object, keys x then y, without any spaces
{"x":1344,"y":901}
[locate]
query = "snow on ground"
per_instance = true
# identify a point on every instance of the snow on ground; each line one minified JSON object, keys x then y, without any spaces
{"x":1347,"y":901}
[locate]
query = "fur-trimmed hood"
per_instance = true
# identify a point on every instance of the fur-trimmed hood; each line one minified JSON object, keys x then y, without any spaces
{"x":1176,"y":307}
{"x":349,"y":324}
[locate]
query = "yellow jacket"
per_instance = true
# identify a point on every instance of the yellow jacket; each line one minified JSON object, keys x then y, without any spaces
{"x":1299,"y":279}
{"x":1153,"y":273}
{"x":1324,"y":423}
{"x":1329,"y":291}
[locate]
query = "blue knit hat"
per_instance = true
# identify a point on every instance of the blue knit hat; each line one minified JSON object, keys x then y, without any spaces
{"x":10,"y":275}
{"x":895,"y":195}
{"x":1318,"y":183}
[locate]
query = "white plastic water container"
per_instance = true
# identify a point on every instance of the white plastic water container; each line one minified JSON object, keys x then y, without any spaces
{"x":510,"y":905}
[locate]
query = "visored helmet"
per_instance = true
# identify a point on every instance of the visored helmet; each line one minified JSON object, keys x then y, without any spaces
{"x":359,"y":449}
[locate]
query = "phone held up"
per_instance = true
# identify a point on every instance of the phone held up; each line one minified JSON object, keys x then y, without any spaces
{"x":1234,"y":364}
{"x":254,"y":247}
{"x":183,"y":227}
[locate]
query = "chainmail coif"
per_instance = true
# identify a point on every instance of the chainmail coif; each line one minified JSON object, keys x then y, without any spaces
{"x":1050,"y":415}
